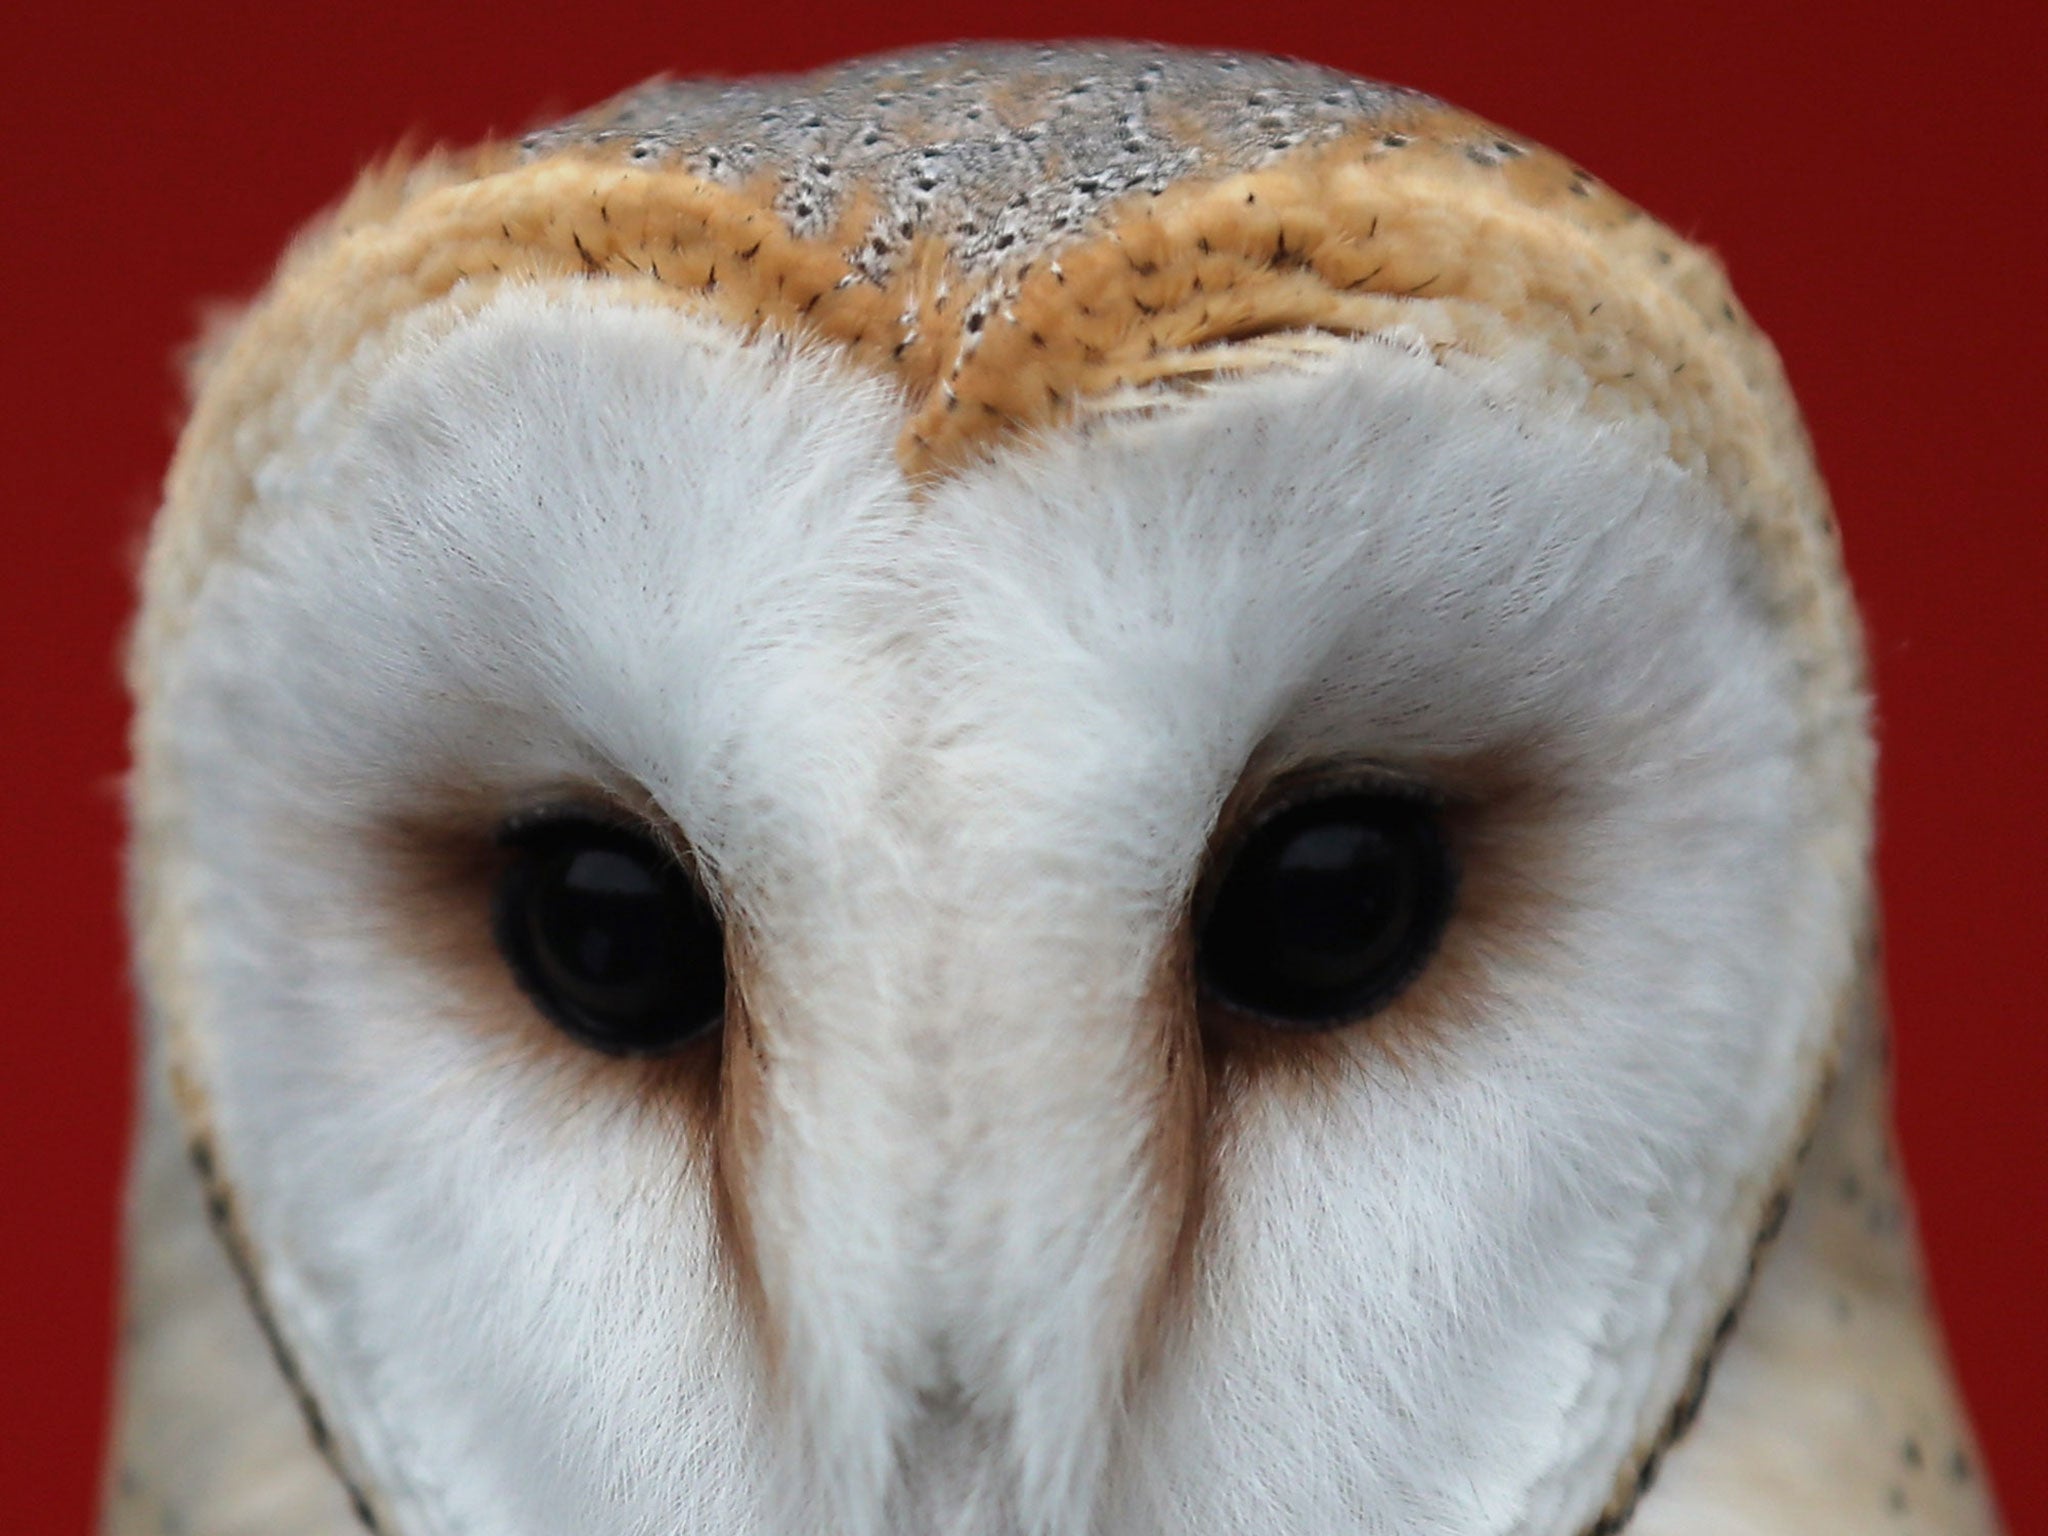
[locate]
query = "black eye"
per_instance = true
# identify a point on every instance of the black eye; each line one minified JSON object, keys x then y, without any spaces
{"x":610,"y":936}
{"x":1327,"y":910}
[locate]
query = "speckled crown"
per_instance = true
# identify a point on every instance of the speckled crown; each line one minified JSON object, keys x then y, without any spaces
{"x":1022,"y":235}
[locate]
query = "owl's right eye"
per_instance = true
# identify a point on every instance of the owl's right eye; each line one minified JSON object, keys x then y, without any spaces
{"x":609,"y":935}
{"x":1327,"y":910}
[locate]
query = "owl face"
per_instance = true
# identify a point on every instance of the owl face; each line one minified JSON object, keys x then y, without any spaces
{"x":745,"y":955}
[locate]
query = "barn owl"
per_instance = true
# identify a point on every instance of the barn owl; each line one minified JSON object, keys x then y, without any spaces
{"x":1009,"y":791}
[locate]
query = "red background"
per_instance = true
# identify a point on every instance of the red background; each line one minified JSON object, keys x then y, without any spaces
{"x":1872,"y":179}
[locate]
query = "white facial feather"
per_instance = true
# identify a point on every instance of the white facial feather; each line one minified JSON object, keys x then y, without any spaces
{"x":951,"y":766}
{"x":1388,"y":561}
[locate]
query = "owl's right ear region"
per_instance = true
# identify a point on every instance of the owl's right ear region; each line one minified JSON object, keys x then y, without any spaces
{"x":1325,"y":909}
{"x":609,"y":935}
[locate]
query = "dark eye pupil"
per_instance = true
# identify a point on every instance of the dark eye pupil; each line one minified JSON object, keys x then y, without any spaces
{"x":1328,"y":910}
{"x":610,"y":936}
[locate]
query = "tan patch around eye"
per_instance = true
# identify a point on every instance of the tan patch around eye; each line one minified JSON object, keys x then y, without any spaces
{"x":1213,"y":1063}
{"x":1181,"y":1147}
{"x":736,"y":1130}
{"x":438,"y":872}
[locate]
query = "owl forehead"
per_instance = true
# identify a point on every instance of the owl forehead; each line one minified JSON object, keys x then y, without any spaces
{"x":1000,"y":153}
{"x":1017,"y":234}
{"x":1018,"y":238}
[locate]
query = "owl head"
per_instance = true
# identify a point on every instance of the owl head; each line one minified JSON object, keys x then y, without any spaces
{"x":1004,"y":791}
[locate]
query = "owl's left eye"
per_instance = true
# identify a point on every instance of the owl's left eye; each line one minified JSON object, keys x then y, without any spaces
{"x":610,"y":936}
{"x":1327,"y":910}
